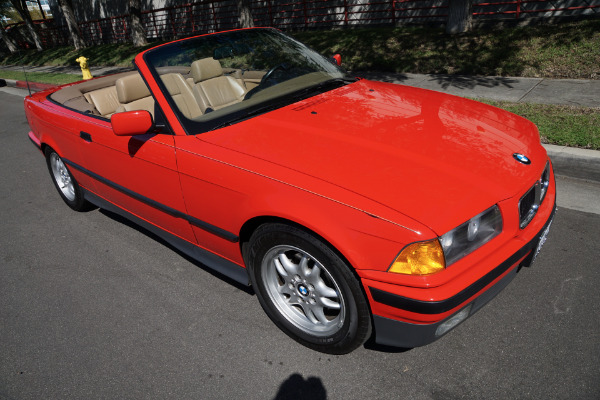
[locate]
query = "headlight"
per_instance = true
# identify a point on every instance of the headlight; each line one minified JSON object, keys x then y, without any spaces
{"x":429,"y":257}
{"x":471,"y":235}
{"x":420,"y":258}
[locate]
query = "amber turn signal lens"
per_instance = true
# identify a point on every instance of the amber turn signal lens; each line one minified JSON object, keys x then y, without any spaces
{"x":421,"y":258}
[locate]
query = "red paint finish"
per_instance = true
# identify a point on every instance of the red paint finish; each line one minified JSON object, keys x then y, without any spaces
{"x":131,"y":123}
{"x":368,"y":167}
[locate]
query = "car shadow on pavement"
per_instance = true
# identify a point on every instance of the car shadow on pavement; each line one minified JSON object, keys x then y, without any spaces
{"x":371,"y":345}
{"x":118,"y":218}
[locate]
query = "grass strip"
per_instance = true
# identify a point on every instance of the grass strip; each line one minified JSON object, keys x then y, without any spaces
{"x":560,"y":125}
{"x":120,"y":55}
{"x":42,"y":77}
{"x":561,"y":50}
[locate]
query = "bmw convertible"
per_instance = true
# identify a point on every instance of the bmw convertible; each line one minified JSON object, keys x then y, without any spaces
{"x":356,"y":210}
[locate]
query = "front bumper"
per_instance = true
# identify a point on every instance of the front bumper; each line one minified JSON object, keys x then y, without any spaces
{"x":405,"y":334}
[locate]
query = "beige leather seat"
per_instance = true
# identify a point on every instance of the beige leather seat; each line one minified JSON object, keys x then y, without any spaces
{"x":182,"y":95}
{"x":105,"y":100}
{"x":133,"y":94}
{"x":211,"y":88}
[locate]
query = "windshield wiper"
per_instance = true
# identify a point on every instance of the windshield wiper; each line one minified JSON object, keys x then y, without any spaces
{"x":245,"y":116}
{"x":323,"y":87}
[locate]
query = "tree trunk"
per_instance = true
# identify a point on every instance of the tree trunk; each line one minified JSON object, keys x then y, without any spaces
{"x":460,"y":16}
{"x":246,"y":19}
{"x":21,"y":8}
{"x":12,"y":47}
{"x":138,"y":35}
{"x":67,"y":10}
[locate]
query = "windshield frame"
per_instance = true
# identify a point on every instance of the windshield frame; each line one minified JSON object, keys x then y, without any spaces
{"x":254,"y":106}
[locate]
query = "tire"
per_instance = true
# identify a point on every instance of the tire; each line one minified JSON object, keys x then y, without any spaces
{"x":307,"y":290}
{"x":63,"y":180}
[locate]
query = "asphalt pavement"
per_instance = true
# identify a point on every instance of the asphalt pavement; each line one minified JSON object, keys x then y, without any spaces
{"x":92,"y":307}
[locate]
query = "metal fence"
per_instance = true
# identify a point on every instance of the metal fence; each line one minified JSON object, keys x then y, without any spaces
{"x":210,"y":16}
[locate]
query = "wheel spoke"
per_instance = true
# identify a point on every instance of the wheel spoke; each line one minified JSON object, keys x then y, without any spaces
{"x":320,"y":315}
{"x":287,"y":264}
{"x":325,"y":290}
{"x":310,"y":314}
{"x":304,"y":270}
{"x":329,"y":303}
{"x":280,"y":268}
{"x":285,"y":290}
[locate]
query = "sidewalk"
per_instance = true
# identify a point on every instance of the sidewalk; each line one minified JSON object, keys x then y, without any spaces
{"x":572,"y":92}
{"x":96,"y":71}
{"x":568,"y":161}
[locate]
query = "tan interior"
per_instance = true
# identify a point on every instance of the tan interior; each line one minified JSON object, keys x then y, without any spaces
{"x":204,"y":86}
{"x":104,"y":100}
{"x":211,"y":88}
{"x":133,"y":94}
{"x":182,"y":95}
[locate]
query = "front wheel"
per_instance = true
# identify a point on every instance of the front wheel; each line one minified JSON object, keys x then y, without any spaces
{"x":67,"y":186}
{"x":307,"y":289}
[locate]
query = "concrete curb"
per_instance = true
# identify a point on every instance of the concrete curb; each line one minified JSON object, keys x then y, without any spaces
{"x":34,"y":86}
{"x":574,"y":162}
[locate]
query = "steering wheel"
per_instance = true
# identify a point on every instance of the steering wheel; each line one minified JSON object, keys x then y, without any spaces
{"x":263,"y":82}
{"x":270,"y":72}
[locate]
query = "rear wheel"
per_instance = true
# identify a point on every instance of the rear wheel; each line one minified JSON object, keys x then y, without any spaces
{"x":64,"y":182}
{"x":307,"y":289}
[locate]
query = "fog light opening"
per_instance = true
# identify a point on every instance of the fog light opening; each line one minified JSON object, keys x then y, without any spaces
{"x":453,"y":321}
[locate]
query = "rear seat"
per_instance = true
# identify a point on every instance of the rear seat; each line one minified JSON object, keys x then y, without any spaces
{"x":79,"y":96}
{"x":133,"y":94}
{"x":105,"y":100}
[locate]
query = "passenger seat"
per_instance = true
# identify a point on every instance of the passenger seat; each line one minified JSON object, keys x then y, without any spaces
{"x":211,"y":88}
{"x":133,"y":94}
{"x":182,"y":95}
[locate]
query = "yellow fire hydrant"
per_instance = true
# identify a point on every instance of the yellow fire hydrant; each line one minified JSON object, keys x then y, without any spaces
{"x":84,"y":67}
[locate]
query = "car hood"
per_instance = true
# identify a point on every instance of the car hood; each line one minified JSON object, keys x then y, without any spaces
{"x":436,"y":158}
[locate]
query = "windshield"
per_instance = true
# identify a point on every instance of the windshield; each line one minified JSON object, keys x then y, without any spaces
{"x":219,"y":79}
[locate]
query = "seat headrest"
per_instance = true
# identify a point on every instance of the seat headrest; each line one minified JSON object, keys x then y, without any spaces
{"x":131,"y":88}
{"x":172,"y":82}
{"x":206,"y":68}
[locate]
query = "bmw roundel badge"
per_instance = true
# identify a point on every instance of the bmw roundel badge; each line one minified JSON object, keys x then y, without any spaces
{"x":303,"y":290}
{"x":523,"y":159}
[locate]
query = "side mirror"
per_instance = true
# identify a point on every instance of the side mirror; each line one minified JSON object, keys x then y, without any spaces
{"x":338,"y":59}
{"x":131,"y":123}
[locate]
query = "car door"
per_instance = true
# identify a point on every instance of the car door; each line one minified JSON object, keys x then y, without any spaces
{"x":138,"y":174}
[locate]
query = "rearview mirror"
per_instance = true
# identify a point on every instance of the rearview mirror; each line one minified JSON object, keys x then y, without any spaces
{"x":131,"y":123}
{"x":337,"y":59}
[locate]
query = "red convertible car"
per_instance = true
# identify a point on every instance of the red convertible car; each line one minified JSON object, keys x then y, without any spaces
{"x":353,"y":208}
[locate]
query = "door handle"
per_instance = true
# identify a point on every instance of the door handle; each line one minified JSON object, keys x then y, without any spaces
{"x":85,"y":136}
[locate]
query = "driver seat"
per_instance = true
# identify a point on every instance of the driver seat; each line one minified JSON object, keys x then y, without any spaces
{"x":212,"y":89}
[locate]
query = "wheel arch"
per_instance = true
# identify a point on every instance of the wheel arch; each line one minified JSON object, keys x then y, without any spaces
{"x":252,"y":224}
{"x":46,"y":143}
